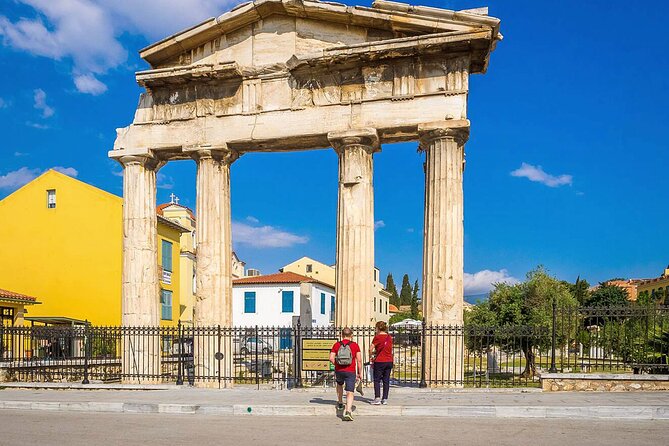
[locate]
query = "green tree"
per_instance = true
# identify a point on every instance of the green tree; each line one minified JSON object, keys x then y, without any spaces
{"x":510,"y":308}
{"x":405,"y":293}
{"x":414,"y":301}
{"x":580,"y":290}
{"x":392,"y":289}
{"x":608,"y":296}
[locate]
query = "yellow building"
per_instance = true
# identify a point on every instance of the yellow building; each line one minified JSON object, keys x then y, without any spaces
{"x":62,"y":240}
{"x":316,"y":270}
{"x":13,"y":308}
{"x":657,"y":289}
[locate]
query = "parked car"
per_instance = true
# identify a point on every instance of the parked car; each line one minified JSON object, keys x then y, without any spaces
{"x":248,"y":345}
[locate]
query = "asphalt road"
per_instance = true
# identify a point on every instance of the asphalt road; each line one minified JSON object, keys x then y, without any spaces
{"x":57,"y":428}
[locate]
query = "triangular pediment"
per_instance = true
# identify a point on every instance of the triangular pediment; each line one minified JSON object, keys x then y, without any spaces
{"x":266,"y":32}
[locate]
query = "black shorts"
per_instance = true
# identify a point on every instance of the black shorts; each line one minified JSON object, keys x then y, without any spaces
{"x":347,"y":379}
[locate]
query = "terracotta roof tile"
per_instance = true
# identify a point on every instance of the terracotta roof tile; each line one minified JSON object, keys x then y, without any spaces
{"x":393,"y":309}
{"x":5,"y":294}
{"x":286,"y":277}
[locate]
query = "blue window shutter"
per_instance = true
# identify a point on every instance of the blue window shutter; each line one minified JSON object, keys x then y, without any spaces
{"x":287,"y":301}
{"x":166,"y":255}
{"x":322,"y":303}
{"x":249,"y":302}
{"x":166,"y":305}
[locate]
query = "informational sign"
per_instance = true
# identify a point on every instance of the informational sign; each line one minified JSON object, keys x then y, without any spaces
{"x":316,"y":354}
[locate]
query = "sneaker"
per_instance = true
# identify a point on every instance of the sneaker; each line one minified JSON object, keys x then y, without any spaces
{"x":347,"y":416}
{"x":340,"y":406}
{"x":384,"y":402}
{"x":376,"y":402}
{"x":358,"y":387}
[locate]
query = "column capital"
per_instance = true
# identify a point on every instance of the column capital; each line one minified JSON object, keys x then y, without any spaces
{"x":222,"y":155}
{"x":456,"y":130}
{"x":366,"y":138}
{"x":149,"y":161}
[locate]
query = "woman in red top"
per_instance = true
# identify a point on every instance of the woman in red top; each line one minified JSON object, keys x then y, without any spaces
{"x":381,"y":352}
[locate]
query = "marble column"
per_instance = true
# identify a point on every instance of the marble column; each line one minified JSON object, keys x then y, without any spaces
{"x":140,"y":286}
{"x":443,"y":250}
{"x":213,"y":297}
{"x":355,"y":227}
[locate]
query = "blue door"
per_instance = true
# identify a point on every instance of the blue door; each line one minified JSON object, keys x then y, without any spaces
{"x":286,"y":339}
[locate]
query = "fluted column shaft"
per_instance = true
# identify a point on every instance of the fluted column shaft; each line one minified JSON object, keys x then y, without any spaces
{"x":213,"y":297}
{"x":140,"y":243}
{"x":355,"y":227}
{"x":443,"y":233}
{"x":140,"y":281}
{"x":443,"y":253}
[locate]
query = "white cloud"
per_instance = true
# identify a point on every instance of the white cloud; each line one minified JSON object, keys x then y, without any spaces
{"x":17,"y":178}
{"x":379,"y":224}
{"x":17,"y":154}
{"x":69,"y":171}
{"x":40,"y":103}
{"x":87,"y":83}
{"x":252,"y":219}
{"x":164,"y":181}
{"x":85,"y":32}
{"x":37,"y":125}
{"x":410,"y":230}
{"x":482,"y":282}
{"x":265,"y":236}
{"x":537,"y":174}
{"x":3,"y":103}
{"x":157,"y":19}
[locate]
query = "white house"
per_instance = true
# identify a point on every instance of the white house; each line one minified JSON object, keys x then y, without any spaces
{"x":273,"y":300}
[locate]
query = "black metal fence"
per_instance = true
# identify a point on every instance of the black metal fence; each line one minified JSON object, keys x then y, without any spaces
{"x":629,"y":339}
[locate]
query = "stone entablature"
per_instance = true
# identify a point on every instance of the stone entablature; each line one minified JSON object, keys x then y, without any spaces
{"x":282,"y":74}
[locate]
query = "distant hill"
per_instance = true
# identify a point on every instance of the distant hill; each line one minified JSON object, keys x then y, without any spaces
{"x":475,"y":298}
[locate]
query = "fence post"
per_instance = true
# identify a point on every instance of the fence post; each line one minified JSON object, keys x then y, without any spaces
{"x":86,"y":353}
{"x":297,"y":354}
{"x":553,"y":369}
{"x":422,"y":383}
{"x":217,"y":355}
{"x":256,"y":354}
{"x":180,"y":376}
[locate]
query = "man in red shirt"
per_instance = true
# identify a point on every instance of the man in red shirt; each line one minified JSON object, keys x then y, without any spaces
{"x":347,"y":359}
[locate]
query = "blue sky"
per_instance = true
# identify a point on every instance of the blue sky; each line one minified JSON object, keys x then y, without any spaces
{"x":566,"y":165}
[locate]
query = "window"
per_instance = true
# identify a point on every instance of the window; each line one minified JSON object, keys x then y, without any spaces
{"x":310,"y":267}
{"x":332,"y":308}
{"x":51,"y":198}
{"x":322,"y":303}
{"x":249,"y":302}
{"x":6,"y":318}
{"x":287,"y":301}
{"x":386,"y":307}
{"x":166,"y":305}
{"x":375,"y":304}
{"x":167,"y":256}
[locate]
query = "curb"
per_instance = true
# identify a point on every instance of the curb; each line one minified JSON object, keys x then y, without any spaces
{"x":92,"y":386}
{"x":116,"y":386}
{"x":548,"y":412}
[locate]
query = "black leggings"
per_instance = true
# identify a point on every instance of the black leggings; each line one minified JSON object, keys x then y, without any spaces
{"x":382,"y":373}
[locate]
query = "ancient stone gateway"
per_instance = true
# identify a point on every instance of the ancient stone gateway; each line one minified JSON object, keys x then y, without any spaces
{"x":275,"y":75}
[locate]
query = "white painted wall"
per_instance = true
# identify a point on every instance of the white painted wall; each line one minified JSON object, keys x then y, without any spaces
{"x":269,"y":302}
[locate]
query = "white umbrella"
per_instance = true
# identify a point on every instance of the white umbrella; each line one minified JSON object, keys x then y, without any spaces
{"x":407,"y":323}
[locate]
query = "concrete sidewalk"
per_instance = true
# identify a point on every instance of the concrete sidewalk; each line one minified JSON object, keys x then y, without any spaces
{"x":407,"y":402}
